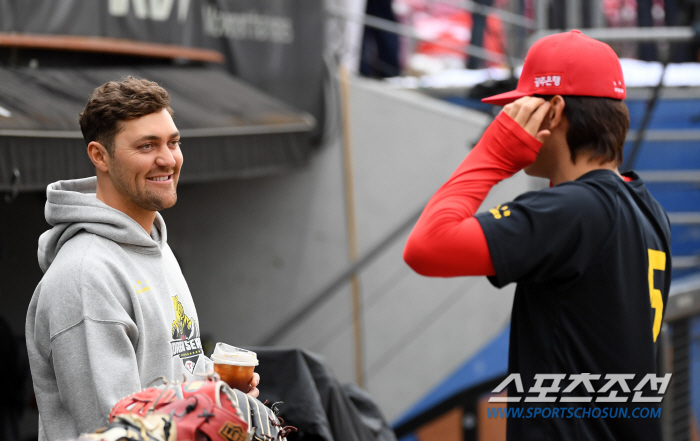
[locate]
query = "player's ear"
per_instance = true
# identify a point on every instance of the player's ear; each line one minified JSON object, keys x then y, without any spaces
{"x":556,"y":111}
{"x":98,"y":155}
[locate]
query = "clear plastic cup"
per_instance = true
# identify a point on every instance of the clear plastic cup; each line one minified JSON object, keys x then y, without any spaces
{"x":234,"y":365}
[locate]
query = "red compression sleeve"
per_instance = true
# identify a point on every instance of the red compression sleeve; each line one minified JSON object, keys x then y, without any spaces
{"x":447,"y":240}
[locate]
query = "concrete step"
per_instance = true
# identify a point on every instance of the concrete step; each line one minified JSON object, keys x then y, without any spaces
{"x":685,"y":262}
{"x":666,"y":135}
{"x":684,"y":218}
{"x":671,"y":176}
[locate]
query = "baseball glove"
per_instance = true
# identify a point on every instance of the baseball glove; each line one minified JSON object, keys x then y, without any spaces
{"x":207,"y":410}
{"x":133,"y":427}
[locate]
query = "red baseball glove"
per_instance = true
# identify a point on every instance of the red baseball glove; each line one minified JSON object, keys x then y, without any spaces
{"x":200,"y":411}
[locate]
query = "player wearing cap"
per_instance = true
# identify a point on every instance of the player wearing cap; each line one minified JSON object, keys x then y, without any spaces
{"x":590,"y":254}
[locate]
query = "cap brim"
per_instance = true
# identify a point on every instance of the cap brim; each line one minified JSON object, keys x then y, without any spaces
{"x":504,"y":98}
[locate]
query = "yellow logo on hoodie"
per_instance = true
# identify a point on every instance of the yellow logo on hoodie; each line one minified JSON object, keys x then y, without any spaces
{"x":142,"y":287}
{"x":183,"y":326}
{"x":186,"y":343}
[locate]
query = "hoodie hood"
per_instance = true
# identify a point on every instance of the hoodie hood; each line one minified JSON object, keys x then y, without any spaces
{"x":72,"y":206}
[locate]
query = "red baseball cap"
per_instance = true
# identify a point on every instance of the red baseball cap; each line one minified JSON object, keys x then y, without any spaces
{"x":568,"y":63}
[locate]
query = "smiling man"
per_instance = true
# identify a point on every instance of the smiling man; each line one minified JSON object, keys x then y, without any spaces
{"x":113,"y":311}
{"x":140,"y":177}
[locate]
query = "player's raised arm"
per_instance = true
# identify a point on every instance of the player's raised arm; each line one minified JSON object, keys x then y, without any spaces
{"x":447,"y":241}
{"x":590,"y":255}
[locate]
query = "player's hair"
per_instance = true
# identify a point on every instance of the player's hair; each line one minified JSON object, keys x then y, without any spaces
{"x":598,"y":125}
{"x":117,"y":101}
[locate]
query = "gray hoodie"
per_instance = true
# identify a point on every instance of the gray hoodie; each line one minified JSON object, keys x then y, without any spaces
{"x":111,"y":314}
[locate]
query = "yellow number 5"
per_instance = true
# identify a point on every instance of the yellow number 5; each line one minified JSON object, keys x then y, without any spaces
{"x":657,"y":261}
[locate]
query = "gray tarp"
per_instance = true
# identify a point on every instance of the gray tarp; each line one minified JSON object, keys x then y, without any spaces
{"x":229,"y":129}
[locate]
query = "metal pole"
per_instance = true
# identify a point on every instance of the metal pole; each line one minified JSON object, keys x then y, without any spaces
{"x":505,"y":16}
{"x":597,"y":17}
{"x":351,"y":221}
{"x":542,"y":14}
{"x":573,"y":14}
{"x":628,"y":163}
{"x":610,"y":35}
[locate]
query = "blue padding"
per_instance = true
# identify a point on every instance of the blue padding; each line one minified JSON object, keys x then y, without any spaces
{"x":409,"y":437}
{"x":490,"y":362}
{"x":666,"y":155}
{"x":667,"y":114}
{"x":677,"y":196}
{"x":685,"y":240}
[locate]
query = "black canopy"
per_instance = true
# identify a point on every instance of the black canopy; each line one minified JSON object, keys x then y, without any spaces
{"x":229,"y":129}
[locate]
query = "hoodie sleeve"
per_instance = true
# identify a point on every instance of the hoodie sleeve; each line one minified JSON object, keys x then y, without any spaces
{"x":86,"y":337}
{"x":95,"y":366}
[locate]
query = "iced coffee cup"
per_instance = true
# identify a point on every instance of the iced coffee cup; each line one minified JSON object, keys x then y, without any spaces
{"x":234,"y":365}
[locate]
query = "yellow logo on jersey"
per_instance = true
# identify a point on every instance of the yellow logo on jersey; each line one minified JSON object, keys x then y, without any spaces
{"x":500,"y":212}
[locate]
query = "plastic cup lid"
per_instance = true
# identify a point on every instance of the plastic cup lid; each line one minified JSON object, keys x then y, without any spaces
{"x":227,"y":354}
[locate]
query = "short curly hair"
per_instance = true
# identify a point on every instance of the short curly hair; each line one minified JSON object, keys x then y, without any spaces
{"x":117,"y":101}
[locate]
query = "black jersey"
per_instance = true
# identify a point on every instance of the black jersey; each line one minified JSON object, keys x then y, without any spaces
{"x":592,"y":261}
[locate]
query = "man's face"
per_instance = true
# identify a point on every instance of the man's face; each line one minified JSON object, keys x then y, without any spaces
{"x":146,"y":163}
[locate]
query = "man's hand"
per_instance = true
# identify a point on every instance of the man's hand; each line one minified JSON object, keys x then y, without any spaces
{"x":254,"y":392}
{"x":529,"y":112}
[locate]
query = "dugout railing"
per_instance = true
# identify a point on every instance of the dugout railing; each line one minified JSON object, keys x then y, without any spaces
{"x":679,"y":348}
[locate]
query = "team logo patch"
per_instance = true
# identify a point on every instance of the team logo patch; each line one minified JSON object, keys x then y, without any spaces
{"x":500,"y":211}
{"x":190,"y":364}
{"x":231,"y":432}
{"x":186,"y":343}
{"x":548,"y":81}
